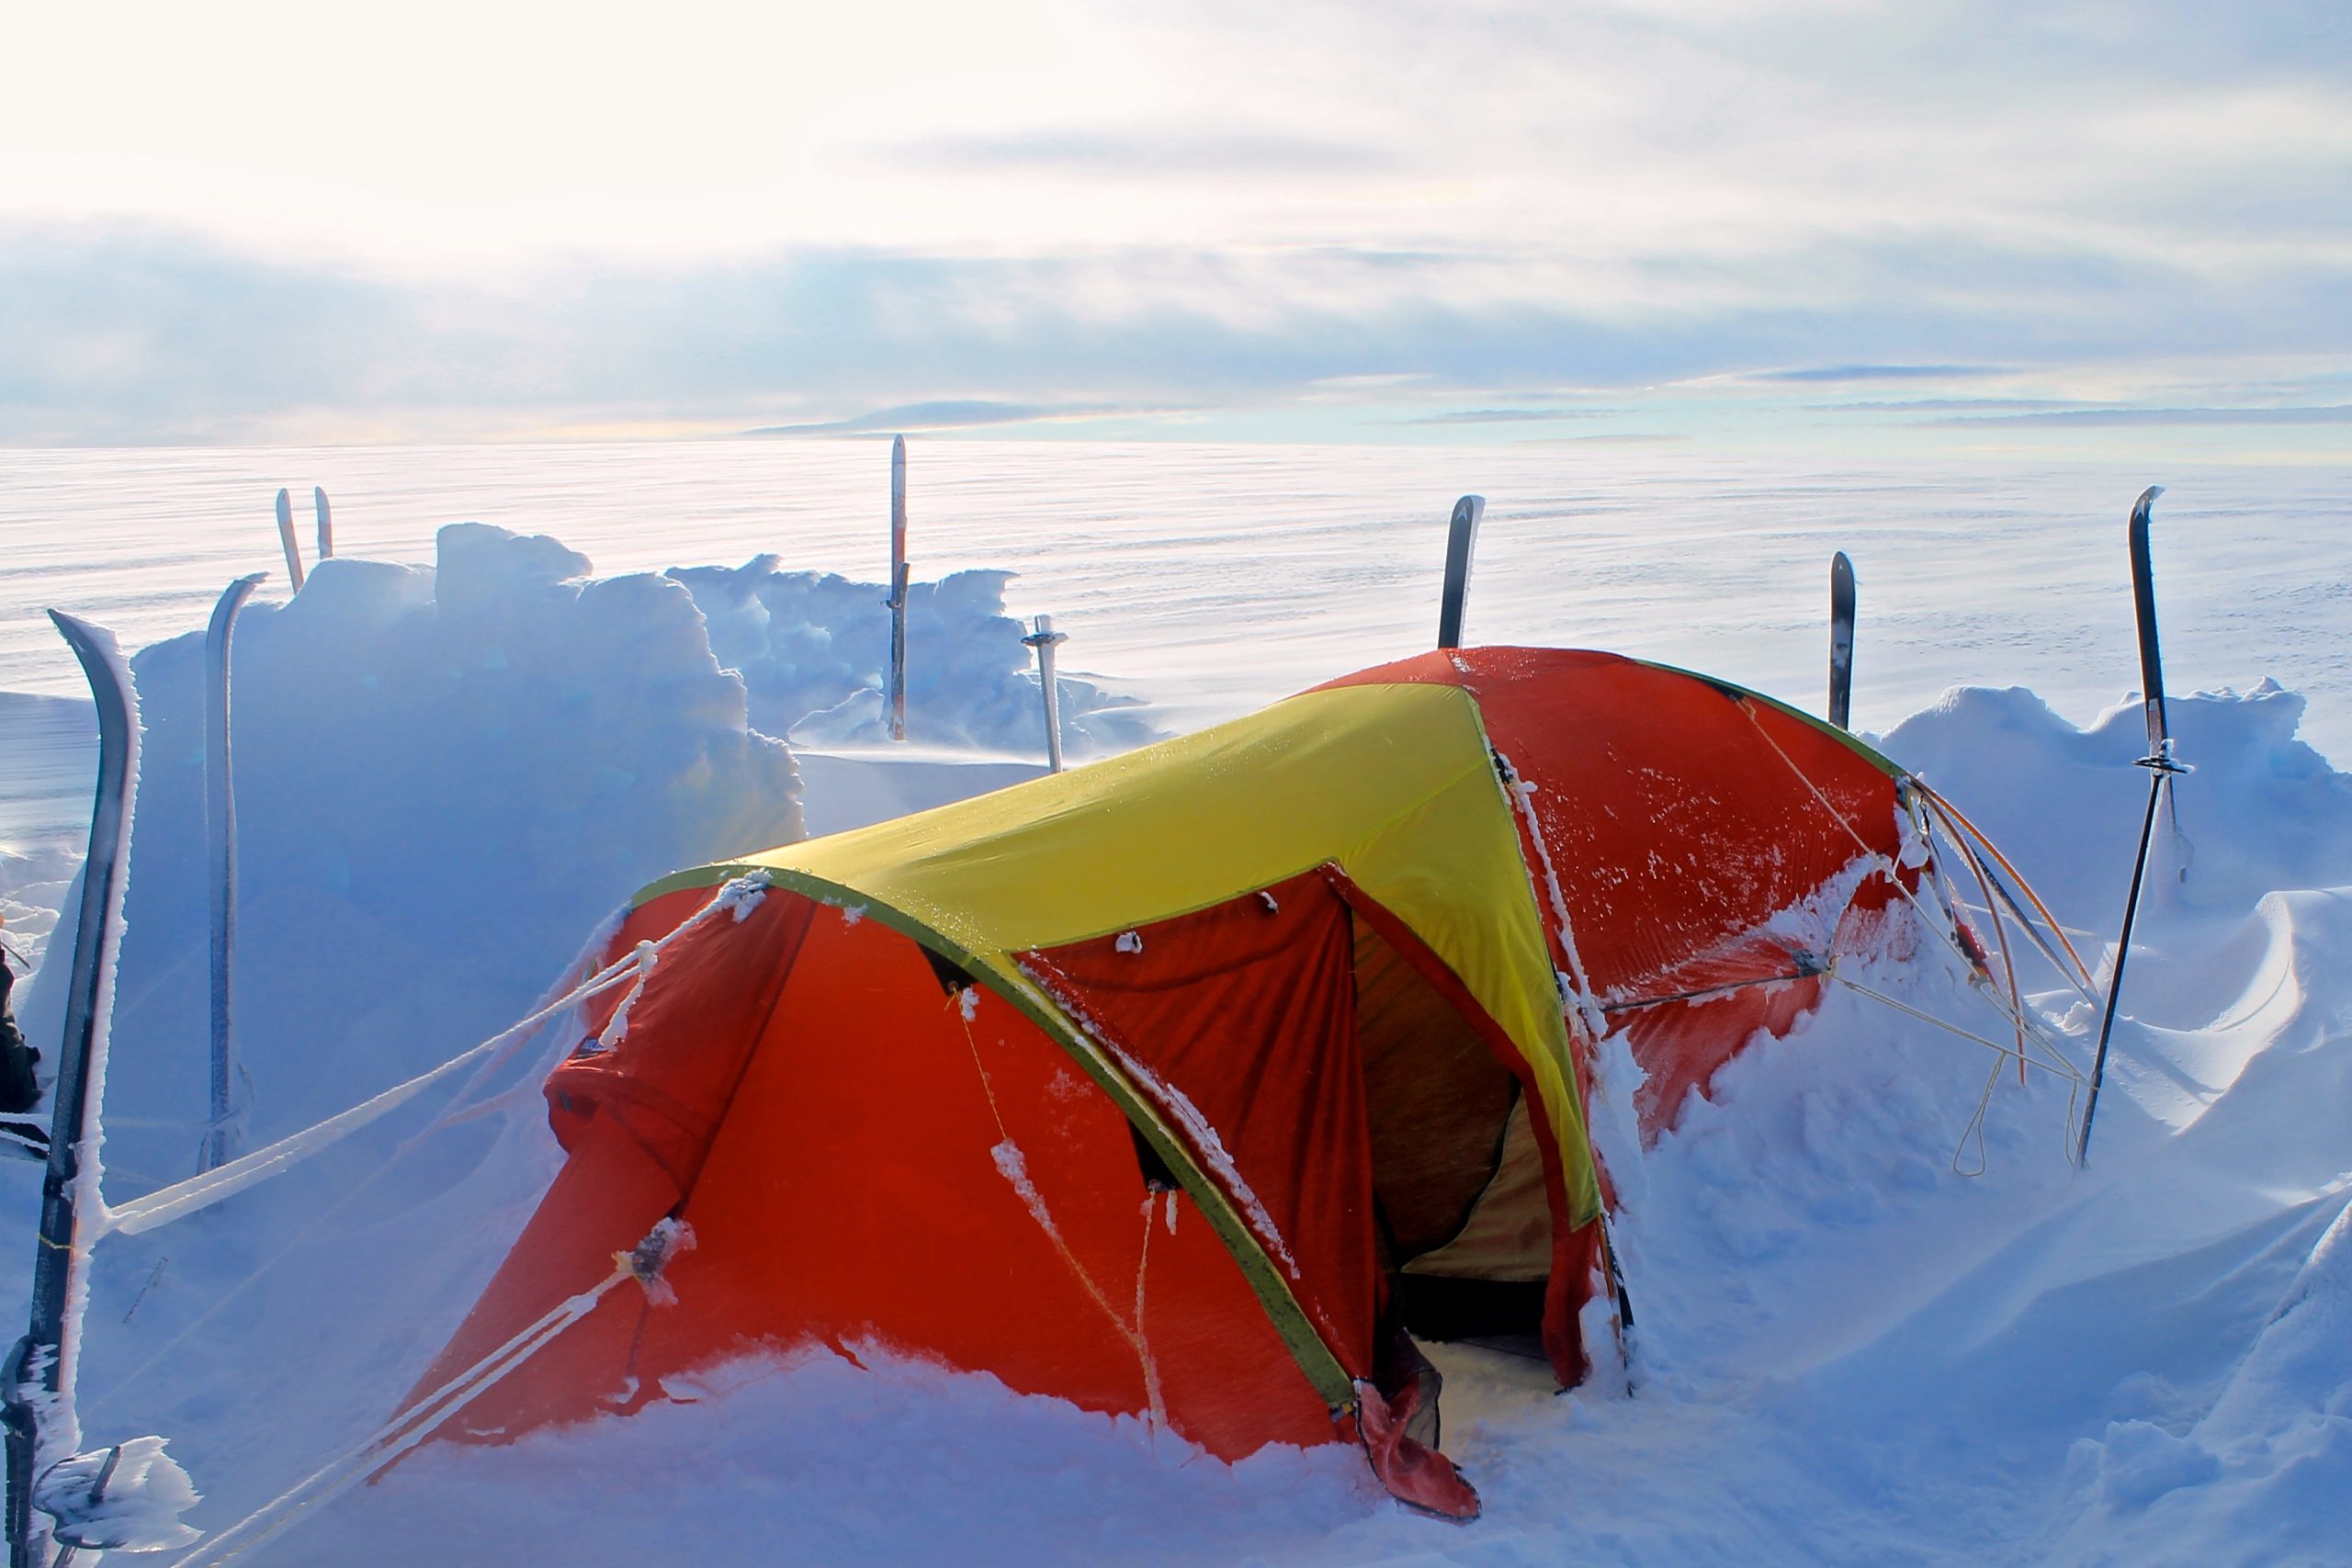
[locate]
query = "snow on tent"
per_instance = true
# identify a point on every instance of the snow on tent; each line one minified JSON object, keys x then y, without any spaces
{"x":1193,"y":1083}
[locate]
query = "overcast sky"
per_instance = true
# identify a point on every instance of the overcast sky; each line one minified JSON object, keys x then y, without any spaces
{"x":2047,"y":223}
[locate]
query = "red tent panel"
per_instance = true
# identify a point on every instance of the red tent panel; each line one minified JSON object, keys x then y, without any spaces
{"x":1246,"y":1011}
{"x":1654,"y":790}
{"x":859,"y":1192}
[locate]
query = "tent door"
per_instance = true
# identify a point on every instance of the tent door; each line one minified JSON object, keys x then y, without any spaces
{"x":1342,"y":1098}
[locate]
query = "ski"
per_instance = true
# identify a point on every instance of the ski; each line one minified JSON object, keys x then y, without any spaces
{"x":286,"y":537}
{"x":1462,"y":533}
{"x":1841,"y":640}
{"x":2161,"y":766}
{"x":2144,"y":613}
{"x":898,"y":598}
{"x":1044,"y":639}
{"x":220,"y":839}
{"x":40,"y":1415}
{"x":326,"y":521}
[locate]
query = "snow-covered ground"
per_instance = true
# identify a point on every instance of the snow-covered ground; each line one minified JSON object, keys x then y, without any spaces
{"x":1848,"y":1350}
{"x":1212,"y":580}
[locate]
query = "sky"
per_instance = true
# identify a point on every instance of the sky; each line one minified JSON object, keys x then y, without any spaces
{"x":2028,"y":225}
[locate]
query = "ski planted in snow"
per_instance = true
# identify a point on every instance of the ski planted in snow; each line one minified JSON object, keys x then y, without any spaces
{"x":41,"y":1425}
{"x":898,"y":598}
{"x":326,"y":521}
{"x":286,"y":537}
{"x":1841,"y":640}
{"x":2144,"y":611}
{"x":2160,"y":768}
{"x":220,"y":839}
{"x":1461,"y":535}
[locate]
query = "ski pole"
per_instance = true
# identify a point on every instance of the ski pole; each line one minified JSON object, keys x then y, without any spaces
{"x":1044,"y":639}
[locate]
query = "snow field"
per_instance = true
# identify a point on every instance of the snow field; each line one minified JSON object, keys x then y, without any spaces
{"x":1845,"y":1352}
{"x":1232,"y":575}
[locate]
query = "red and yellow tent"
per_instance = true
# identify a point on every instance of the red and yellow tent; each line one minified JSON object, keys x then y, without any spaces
{"x":1192,"y":1083}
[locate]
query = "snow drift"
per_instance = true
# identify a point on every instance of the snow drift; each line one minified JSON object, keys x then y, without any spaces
{"x":813,"y":649}
{"x":443,"y":777}
{"x":1846,"y":1352}
{"x":2142,"y":1362}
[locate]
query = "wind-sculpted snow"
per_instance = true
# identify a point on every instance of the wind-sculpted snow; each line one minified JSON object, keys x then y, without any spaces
{"x":443,"y":777}
{"x":1846,"y":1351}
{"x":806,"y":1457}
{"x":814,"y":648}
{"x":2263,"y":811}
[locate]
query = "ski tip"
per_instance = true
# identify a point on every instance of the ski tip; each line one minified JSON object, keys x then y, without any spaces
{"x":2147,"y":499}
{"x":285,"y":506}
{"x":232,"y":599}
{"x":1840,"y":567}
{"x":85,"y":637}
{"x":1469,"y":509}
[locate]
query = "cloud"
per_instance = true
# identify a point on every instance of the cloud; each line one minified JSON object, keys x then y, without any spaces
{"x":2336,"y":413}
{"x":1627,"y":438}
{"x":1944,"y":405}
{"x":1500,"y":416}
{"x":1174,"y":151}
{"x":1878,"y":373}
{"x":1430,"y":219}
{"x":114,"y":334}
{"x":955,"y":413}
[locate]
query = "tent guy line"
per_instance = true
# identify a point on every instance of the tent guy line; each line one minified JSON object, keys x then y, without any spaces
{"x":383,"y":1447}
{"x":1474,"y":983}
{"x":1415,"y":957}
{"x":199,"y":1193}
{"x":1047,"y":976}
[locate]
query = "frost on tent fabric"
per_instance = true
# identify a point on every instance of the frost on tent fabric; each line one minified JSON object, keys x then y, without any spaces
{"x":1304,"y":968}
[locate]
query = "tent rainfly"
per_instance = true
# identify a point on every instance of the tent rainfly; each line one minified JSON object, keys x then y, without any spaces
{"x":1196,"y":1083}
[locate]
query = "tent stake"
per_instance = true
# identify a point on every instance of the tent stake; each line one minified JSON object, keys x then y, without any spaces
{"x":2160,"y":768}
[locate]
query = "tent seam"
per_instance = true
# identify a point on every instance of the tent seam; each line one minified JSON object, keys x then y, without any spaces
{"x":1316,"y":1360}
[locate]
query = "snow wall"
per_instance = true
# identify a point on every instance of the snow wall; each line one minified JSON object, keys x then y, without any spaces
{"x":447,"y":776}
{"x":1849,"y":1351}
